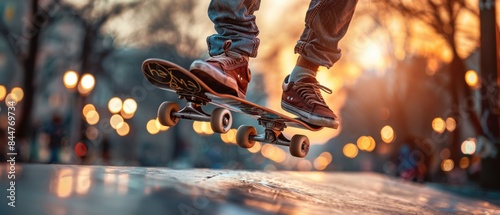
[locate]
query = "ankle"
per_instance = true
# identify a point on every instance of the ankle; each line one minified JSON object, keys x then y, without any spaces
{"x":299,"y":73}
{"x":304,"y":63}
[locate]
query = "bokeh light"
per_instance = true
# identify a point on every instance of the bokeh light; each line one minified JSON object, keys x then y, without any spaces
{"x":366,"y":143}
{"x":92,"y":117}
{"x":197,"y":127}
{"x":350,"y":150}
{"x":116,"y":120}
{"x":387,"y":134}
{"x":320,"y":163}
{"x":206,"y":128}
{"x":152,"y":127}
{"x":88,"y":82}
{"x":80,"y":149}
{"x":18,"y":92}
{"x":126,"y":115}
{"x":202,"y":128}
{"x":328,"y":156}
{"x":3,"y":92}
{"x":273,"y":153}
{"x":372,"y":145}
{"x":468,"y":147}
{"x":70,"y":79}
{"x":92,"y":133}
{"x":256,"y":148}
{"x":229,"y":137}
{"x":451,"y":124}
{"x":129,"y":106}
{"x":11,"y":98}
{"x":472,"y":79}
{"x":160,"y":126}
{"x":447,"y":165}
{"x":123,"y":129}
{"x":164,"y":128}
{"x":363,"y":143}
{"x":464,"y":163}
{"x":115,"y":105}
{"x":87,"y":108}
{"x":439,"y":125}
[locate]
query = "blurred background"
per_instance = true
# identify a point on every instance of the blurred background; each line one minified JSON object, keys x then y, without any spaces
{"x":416,"y":88}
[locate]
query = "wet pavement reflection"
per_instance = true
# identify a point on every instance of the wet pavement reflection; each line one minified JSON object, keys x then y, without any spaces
{"x":68,"y":189}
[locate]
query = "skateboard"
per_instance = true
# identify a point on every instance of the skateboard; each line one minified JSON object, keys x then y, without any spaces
{"x":171,"y":77}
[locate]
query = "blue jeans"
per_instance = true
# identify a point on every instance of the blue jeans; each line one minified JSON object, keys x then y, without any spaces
{"x":326,"y":23}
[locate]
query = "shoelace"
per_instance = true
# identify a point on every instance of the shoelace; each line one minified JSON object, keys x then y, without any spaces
{"x":229,"y":58}
{"x":311,"y":93}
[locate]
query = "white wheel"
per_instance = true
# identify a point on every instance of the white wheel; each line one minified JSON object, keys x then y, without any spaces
{"x":166,"y":114}
{"x":221,"y":120}
{"x":243,"y":136}
{"x":299,"y":146}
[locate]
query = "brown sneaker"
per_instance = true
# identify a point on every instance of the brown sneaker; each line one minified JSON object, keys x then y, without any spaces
{"x":304,"y":99}
{"x":227,"y":73}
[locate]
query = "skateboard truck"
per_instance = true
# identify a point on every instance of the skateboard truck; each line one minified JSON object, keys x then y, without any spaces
{"x":272,"y":133}
{"x":169,"y":114}
{"x":192,"y":111}
{"x":247,"y":135}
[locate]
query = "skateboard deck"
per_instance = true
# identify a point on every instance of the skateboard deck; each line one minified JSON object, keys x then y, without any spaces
{"x":174,"y":78}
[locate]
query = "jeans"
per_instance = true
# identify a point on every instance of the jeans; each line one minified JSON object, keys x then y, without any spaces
{"x":326,"y":24}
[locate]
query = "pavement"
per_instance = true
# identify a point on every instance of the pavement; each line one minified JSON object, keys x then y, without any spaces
{"x":80,"y":190}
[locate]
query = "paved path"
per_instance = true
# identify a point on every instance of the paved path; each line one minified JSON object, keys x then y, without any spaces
{"x":67,"y":189}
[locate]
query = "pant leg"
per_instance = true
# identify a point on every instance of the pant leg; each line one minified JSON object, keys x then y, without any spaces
{"x":234,"y":20}
{"x":326,"y":24}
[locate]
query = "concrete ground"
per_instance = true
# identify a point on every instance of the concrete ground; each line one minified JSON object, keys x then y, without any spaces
{"x":80,"y":190}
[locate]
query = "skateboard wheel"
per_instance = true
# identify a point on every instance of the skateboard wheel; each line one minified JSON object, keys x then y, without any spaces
{"x":166,"y":114}
{"x":221,"y":120}
{"x":243,"y":136}
{"x":299,"y":146}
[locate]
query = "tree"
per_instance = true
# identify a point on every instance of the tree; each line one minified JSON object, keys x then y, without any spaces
{"x":445,"y":21}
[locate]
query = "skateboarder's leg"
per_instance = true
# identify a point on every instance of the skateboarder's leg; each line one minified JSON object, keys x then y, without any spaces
{"x":234,"y":20}
{"x":236,"y":40}
{"x":326,"y":24}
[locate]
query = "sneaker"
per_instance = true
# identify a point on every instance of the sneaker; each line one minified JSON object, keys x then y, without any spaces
{"x":303,"y":98}
{"x":227,"y":73}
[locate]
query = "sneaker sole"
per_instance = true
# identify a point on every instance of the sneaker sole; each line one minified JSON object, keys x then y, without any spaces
{"x":310,"y":118}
